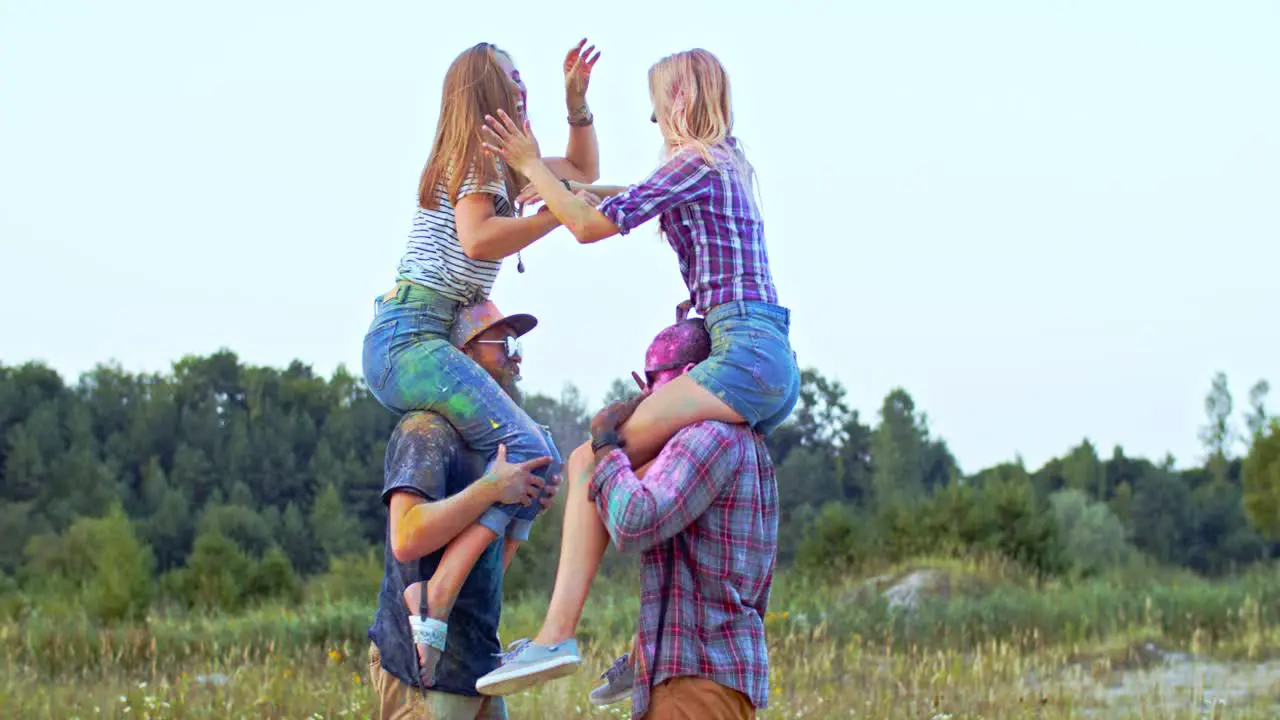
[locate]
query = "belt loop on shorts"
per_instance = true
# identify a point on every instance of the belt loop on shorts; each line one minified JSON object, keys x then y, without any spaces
{"x":742,"y":306}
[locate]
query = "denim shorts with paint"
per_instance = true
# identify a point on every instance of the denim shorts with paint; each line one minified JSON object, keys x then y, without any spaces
{"x":409,"y":364}
{"x":752,"y":367}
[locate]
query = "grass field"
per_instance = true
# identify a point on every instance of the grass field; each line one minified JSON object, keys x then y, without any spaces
{"x":980,"y":641}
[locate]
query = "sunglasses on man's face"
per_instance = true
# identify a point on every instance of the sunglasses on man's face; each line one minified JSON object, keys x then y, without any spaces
{"x":510,"y":343}
{"x":651,"y":374}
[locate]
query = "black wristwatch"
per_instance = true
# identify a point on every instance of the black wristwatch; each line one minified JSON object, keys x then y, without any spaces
{"x":606,"y":438}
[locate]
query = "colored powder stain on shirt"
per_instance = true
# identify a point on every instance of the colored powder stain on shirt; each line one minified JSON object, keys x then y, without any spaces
{"x":419,"y":424}
{"x":423,"y":429}
{"x":617,"y":509}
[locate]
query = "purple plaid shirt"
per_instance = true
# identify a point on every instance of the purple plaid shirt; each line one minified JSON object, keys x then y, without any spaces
{"x":705,"y":518}
{"x":711,"y":220}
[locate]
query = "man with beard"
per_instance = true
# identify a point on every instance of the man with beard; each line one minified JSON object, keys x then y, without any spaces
{"x":435,"y":487}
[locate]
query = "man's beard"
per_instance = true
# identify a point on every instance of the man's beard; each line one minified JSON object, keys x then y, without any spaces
{"x":510,"y":384}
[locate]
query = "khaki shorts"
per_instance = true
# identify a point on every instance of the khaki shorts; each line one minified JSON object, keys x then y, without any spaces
{"x":695,"y":698}
{"x":397,"y":701}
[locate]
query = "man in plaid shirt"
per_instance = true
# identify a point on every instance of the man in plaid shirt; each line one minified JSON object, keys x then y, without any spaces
{"x":705,"y":519}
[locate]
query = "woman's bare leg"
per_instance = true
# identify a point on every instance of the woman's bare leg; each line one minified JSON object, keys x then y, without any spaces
{"x":583,"y":542}
{"x":675,"y":405}
{"x":443,"y":587}
{"x":455,"y":565}
{"x":509,"y":548}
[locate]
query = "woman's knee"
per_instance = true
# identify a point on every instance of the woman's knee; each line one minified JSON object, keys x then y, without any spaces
{"x":582,"y":455}
{"x":581,"y":463}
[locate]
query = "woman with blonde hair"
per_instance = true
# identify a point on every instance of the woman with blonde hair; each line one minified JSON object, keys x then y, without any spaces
{"x":463,"y":228}
{"x":703,"y":197}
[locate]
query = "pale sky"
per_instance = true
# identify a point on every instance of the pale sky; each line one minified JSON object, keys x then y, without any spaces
{"x":1046,"y":223}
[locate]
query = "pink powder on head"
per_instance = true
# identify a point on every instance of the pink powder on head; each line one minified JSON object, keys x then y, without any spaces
{"x":680,"y":344}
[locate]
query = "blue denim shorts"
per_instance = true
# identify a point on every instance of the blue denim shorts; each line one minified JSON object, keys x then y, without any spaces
{"x":752,"y":367}
{"x":409,"y":364}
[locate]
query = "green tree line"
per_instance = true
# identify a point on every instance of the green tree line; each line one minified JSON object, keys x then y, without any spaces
{"x":219,"y":484}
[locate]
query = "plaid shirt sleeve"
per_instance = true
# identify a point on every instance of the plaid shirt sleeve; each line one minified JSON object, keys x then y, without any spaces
{"x":678,"y":181}
{"x":679,"y":486}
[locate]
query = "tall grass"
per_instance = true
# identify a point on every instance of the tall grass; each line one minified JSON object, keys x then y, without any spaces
{"x":981,"y":642}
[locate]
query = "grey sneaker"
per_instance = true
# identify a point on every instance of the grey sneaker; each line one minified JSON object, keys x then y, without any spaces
{"x":618,"y":681}
{"x":527,"y":664}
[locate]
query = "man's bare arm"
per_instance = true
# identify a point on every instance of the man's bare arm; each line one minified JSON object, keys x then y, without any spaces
{"x":679,"y":485}
{"x":420,"y":526}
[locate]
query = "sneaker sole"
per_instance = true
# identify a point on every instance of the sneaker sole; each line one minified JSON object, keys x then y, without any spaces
{"x":515,"y":682}
{"x":610,"y":699}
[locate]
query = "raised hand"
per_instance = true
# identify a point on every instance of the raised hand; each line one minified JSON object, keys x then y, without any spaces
{"x":529,"y":196}
{"x":577,"y":70}
{"x":516,"y":146}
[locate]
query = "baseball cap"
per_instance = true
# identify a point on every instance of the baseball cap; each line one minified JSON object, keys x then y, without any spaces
{"x":472,"y":320}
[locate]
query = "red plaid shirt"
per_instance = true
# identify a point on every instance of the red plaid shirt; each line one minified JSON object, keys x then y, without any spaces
{"x":705,"y":518}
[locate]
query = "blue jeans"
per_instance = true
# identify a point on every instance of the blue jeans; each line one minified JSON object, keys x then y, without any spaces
{"x":409,"y":364}
{"x":752,"y":367}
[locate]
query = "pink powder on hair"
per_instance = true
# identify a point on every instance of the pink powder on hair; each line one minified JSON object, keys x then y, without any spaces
{"x":680,"y":344}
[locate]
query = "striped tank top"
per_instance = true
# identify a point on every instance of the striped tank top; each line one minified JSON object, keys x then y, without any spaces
{"x":434,"y":256}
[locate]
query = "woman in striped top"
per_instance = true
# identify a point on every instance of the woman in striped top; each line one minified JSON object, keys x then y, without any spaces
{"x":462,"y":230}
{"x":702,"y":197}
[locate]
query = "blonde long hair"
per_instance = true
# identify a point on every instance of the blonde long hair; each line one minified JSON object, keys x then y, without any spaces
{"x":474,"y":85}
{"x":693,"y":105}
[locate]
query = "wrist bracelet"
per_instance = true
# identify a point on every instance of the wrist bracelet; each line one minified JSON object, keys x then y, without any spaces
{"x":567,"y":186}
{"x":589,"y":119}
{"x":428,"y":631}
{"x":605,"y":439}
